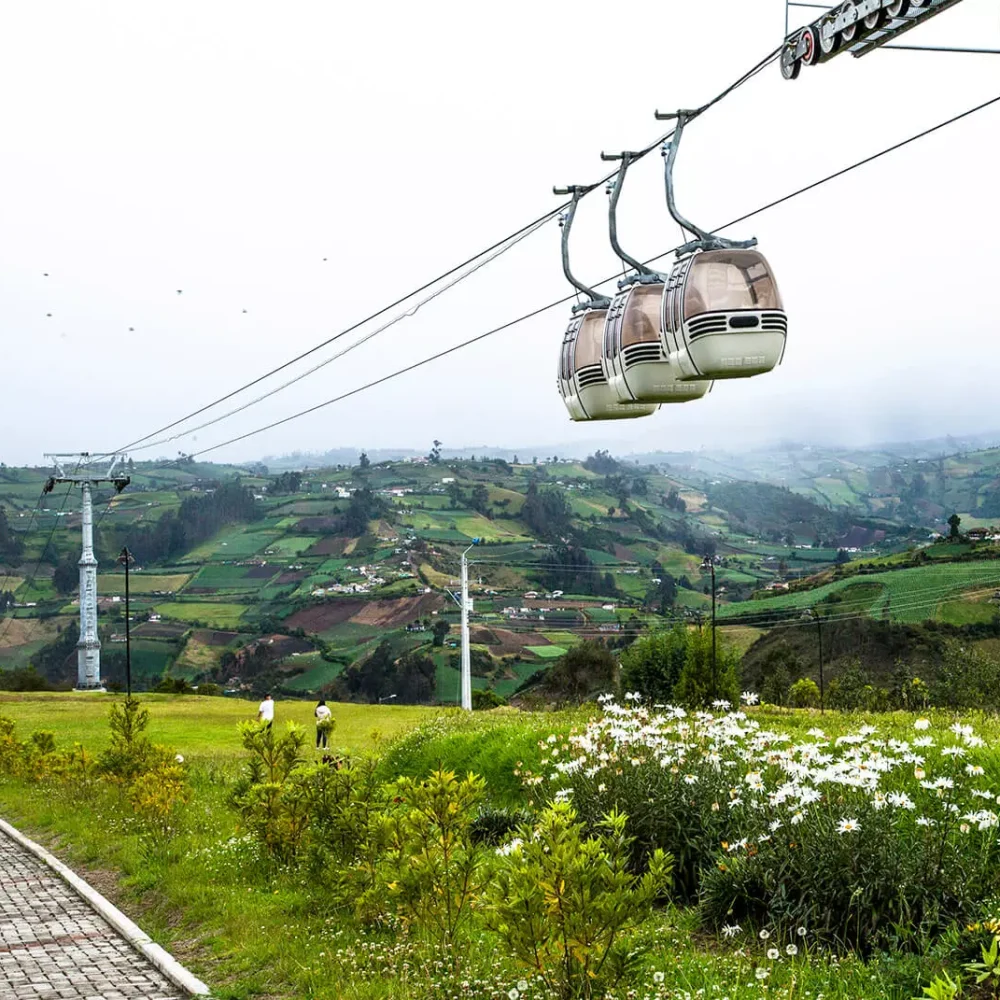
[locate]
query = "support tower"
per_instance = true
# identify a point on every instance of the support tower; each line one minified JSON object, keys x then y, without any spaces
{"x":88,"y":471}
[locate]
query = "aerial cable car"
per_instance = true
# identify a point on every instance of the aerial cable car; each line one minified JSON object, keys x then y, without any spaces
{"x":635,"y":365}
{"x":582,"y":382}
{"x":722,"y":313}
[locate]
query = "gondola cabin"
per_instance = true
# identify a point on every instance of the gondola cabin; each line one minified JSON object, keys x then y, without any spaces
{"x":723,"y":316}
{"x":635,"y":365}
{"x":582,"y":382}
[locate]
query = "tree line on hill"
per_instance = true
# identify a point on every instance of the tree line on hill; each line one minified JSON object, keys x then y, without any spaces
{"x":196,"y":520}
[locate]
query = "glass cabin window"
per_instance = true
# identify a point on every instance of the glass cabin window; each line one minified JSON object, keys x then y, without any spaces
{"x":723,"y":280}
{"x":566,"y":359}
{"x":641,"y":323}
{"x":589,"y":340}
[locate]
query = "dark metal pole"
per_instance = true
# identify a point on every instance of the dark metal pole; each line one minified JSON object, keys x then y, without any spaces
{"x":715,"y":676}
{"x":819,"y":632}
{"x":126,"y":557}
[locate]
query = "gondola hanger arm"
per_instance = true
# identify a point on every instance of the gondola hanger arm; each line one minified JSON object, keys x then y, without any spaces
{"x":594,"y":301}
{"x":643,"y":274}
{"x":703,"y":240}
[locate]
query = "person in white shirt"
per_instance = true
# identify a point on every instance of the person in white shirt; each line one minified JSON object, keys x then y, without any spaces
{"x":322,"y":713}
{"x":266,"y":711}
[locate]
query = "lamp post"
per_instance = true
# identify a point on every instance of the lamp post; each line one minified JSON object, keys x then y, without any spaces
{"x":466,"y":653}
{"x":709,"y":564}
{"x":126,"y":558}
{"x":818,"y":618}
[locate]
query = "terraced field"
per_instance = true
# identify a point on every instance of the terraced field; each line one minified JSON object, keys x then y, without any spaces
{"x":218,"y":615}
{"x":906,"y":595}
{"x":141,"y":583}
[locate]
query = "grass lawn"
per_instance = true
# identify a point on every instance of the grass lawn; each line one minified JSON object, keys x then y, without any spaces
{"x":547,"y":652}
{"x":199,"y":728}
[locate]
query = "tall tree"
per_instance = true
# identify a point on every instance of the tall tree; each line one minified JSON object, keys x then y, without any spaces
{"x":953,"y":522}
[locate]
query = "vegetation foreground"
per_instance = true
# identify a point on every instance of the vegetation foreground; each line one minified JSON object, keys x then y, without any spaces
{"x":614,"y":851}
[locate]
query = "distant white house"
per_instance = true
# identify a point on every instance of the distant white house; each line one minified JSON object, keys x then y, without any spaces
{"x":448,"y":479}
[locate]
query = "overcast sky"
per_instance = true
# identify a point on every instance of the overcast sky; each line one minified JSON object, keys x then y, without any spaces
{"x":310,"y":162}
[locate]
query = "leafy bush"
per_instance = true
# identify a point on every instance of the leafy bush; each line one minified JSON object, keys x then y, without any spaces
{"x":866,"y":842}
{"x":653,"y":663}
{"x":484,"y":699}
{"x":493,"y":826}
{"x":700,"y":682}
{"x":863,"y":840}
{"x":131,"y":752}
{"x":24,"y":679}
{"x":156,"y":797}
{"x":273,"y":808}
{"x":439,"y":868}
{"x":804,"y":693}
{"x":853,"y":690}
{"x":560,"y":901}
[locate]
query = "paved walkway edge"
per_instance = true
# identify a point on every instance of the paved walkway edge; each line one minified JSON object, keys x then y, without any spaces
{"x":135,"y":936}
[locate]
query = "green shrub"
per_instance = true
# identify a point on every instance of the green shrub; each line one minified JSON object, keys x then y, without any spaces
{"x":865,"y":865}
{"x":439,"y":869}
{"x":492,"y":826}
{"x":561,"y":901}
{"x":273,"y":808}
{"x":700,"y":684}
{"x":866,"y":841}
{"x":131,"y":752}
{"x":653,"y":664}
{"x":498,"y":746}
{"x":804,"y":693}
{"x":484,"y":699}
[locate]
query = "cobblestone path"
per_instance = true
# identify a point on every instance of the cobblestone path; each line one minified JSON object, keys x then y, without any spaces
{"x":54,"y":946}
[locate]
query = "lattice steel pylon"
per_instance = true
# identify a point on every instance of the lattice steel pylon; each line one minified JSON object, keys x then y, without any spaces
{"x":88,"y":471}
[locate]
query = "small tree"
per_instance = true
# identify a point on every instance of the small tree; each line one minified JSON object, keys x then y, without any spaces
{"x":953,"y":522}
{"x":440,"y":869}
{"x":131,"y":752}
{"x":560,"y":902}
{"x":652,"y":665}
{"x":440,"y":630}
{"x":804,"y":693}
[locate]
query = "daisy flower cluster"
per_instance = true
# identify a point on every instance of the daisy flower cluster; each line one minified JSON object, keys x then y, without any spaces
{"x":716,"y":787}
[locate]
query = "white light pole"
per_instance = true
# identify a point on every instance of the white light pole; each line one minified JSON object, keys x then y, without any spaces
{"x":466,"y":657}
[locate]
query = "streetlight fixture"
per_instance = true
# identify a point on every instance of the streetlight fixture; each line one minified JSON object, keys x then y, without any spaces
{"x":388,"y":697}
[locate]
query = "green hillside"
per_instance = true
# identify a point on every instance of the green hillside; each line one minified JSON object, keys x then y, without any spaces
{"x":298,"y":580}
